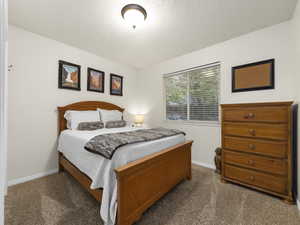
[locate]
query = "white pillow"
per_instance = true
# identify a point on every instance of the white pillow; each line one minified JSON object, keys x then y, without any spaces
{"x":110,"y":115}
{"x":75,"y":117}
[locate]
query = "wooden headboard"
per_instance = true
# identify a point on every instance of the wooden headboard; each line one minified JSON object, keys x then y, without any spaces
{"x":81,"y":106}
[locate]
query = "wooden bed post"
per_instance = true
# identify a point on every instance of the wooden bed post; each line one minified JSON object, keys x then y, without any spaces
{"x":60,"y":166}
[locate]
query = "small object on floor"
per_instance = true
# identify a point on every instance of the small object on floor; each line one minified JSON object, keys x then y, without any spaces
{"x":218,"y":152}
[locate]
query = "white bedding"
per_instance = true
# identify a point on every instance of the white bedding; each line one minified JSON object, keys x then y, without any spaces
{"x":100,"y":170}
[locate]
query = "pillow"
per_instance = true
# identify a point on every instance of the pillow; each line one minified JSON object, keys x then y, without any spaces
{"x":115,"y":124}
{"x":75,"y":117}
{"x":110,"y":115}
{"x":90,"y":125}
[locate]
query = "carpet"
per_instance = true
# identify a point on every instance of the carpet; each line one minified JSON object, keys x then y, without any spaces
{"x":59,"y":200}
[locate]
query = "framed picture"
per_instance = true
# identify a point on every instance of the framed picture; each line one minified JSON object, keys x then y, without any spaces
{"x":116,"y":85}
{"x":254,"y":76}
{"x":68,"y":75}
{"x":95,"y":80}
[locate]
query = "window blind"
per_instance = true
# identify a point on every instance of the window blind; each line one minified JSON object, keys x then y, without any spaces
{"x":193,"y":94}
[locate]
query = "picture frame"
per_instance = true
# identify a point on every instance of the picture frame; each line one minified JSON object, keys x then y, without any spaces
{"x":69,"y":75}
{"x":95,"y":80}
{"x":116,"y":85}
{"x":254,"y":76}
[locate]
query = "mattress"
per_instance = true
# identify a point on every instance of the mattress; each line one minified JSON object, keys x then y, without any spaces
{"x":101,"y":170}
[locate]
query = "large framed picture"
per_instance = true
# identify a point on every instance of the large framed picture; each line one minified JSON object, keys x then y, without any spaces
{"x":68,"y":75}
{"x":254,"y":76}
{"x":116,"y":85}
{"x":95,"y":80}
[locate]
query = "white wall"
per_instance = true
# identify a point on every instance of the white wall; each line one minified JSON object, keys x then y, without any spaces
{"x":34,"y":97}
{"x":3,"y":104}
{"x":273,"y":42}
{"x":296,"y":40}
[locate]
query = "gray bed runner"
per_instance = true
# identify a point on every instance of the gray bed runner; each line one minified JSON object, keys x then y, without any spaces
{"x":107,"y":144}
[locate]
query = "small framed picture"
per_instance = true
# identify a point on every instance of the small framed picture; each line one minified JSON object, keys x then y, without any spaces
{"x":68,"y":75}
{"x":95,"y":80}
{"x":116,"y":85}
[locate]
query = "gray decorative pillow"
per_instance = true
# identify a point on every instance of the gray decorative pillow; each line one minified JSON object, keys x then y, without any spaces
{"x":90,"y":125}
{"x":115,"y":124}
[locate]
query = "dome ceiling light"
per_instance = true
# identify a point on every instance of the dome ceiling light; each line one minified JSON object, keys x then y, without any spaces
{"x":134,"y":14}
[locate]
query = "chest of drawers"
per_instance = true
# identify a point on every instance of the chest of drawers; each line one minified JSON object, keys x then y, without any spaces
{"x":256,"y":147}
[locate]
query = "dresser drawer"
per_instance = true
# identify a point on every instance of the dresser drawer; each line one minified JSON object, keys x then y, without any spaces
{"x":268,"y":131}
{"x":263,"y":147}
{"x":273,"y":183}
{"x":257,"y":114}
{"x":264,"y":164}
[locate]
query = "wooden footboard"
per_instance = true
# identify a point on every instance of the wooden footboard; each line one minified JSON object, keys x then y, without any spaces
{"x":143,"y":182}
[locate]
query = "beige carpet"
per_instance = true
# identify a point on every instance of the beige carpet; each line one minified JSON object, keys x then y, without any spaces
{"x":58,"y":200}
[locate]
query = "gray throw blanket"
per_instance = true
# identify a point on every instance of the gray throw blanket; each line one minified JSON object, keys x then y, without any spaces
{"x":107,"y":144}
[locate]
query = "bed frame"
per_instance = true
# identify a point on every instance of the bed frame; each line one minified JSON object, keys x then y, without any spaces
{"x":140,"y":183}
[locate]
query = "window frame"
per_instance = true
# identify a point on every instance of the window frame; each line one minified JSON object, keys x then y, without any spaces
{"x":192,"y":122}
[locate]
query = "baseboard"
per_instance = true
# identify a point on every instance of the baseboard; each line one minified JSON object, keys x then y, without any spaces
{"x":32,"y":177}
{"x":298,"y":204}
{"x":39,"y":175}
{"x":204,"y":165}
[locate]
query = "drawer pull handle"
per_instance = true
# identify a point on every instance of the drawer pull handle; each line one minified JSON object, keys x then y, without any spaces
{"x":249,"y":116}
{"x":252,"y":178}
{"x":252,"y":146}
{"x":252,"y":132}
{"x":251,"y":162}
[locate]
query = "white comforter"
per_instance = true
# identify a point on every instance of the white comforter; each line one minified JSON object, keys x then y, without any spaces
{"x":101,"y":170}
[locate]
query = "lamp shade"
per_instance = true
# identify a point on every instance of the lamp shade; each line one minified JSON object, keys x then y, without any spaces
{"x":139,"y":119}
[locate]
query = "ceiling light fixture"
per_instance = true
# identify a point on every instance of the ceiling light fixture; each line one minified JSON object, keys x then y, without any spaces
{"x":134,"y":14}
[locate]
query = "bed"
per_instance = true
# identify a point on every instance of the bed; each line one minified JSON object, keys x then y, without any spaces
{"x":139,"y":183}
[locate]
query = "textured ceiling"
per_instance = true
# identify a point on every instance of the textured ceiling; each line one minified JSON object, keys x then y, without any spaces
{"x":173,"y":27}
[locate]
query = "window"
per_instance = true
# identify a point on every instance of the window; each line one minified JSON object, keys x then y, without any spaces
{"x":193,"y":95}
